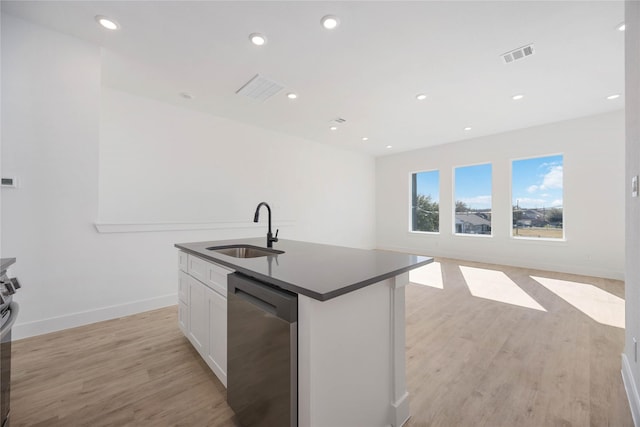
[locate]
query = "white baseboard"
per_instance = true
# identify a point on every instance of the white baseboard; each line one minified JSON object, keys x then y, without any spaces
{"x":630,"y":388}
{"x":400,"y":411}
{"x":593,"y":270}
{"x":45,"y":326}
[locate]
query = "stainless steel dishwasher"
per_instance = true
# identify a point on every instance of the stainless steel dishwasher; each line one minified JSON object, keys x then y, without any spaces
{"x":262,"y":353}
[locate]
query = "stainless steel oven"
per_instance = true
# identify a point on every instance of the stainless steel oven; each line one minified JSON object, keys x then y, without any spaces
{"x":9,"y":317}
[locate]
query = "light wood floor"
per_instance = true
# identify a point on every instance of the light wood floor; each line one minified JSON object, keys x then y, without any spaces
{"x":471,"y":361}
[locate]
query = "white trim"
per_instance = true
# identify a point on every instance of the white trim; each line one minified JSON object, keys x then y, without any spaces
{"x":548,"y":240}
{"x":400,"y":410}
{"x":630,"y":388}
{"x":474,"y":235}
{"x":53,"y":324}
{"x":426,"y":233}
{"x":121,"y":227}
{"x":399,"y":394}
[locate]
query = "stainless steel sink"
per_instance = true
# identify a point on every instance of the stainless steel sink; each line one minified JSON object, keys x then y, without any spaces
{"x":244,"y":251}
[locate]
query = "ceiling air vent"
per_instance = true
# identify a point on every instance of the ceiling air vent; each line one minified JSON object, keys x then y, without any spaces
{"x":519,"y":53}
{"x":260,"y":88}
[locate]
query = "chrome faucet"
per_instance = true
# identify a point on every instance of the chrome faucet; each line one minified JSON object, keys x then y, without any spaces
{"x":270,"y":237}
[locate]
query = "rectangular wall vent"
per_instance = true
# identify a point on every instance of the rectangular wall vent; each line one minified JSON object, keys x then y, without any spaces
{"x":260,"y":88}
{"x":519,"y":53}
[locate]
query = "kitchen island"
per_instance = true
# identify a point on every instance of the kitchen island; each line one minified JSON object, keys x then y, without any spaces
{"x":351,"y":325}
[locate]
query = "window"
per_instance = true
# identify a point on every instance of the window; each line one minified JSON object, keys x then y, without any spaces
{"x":536,"y":191}
{"x":473,"y":199}
{"x":425,"y":201}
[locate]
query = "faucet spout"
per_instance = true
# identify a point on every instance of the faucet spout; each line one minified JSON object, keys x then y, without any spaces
{"x":270,"y":237}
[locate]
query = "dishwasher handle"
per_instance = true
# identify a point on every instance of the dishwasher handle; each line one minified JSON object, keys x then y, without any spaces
{"x":279,"y":303}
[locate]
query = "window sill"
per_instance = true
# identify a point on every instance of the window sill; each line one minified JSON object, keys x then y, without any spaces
{"x":539,"y":239}
{"x":485,"y":236}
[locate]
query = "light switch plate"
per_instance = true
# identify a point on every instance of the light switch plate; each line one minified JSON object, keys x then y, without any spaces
{"x":11,"y":182}
{"x":634,"y":186}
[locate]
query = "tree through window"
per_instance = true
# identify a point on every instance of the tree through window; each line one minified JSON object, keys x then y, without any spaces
{"x":425,"y":201}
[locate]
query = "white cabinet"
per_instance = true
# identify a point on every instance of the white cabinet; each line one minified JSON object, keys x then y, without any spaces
{"x":182,"y":261}
{"x":216,"y":356}
{"x":183,"y":299}
{"x":198,"y":313}
{"x":212,"y":275}
{"x":202,"y":309}
{"x":183,"y":317}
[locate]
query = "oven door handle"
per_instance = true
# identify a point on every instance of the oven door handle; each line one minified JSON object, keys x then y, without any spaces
{"x":14,"y":308}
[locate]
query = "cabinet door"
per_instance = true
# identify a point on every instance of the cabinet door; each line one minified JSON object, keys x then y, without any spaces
{"x":182,"y":261}
{"x":217,"y":351}
{"x":183,"y":287}
{"x":198,"y":316}
{"x":183,"y":317}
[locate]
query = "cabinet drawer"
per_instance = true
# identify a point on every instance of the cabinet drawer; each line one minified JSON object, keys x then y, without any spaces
{"x":182,"y":261}
{"x":212,"y":275}
{"x":183,"y":287}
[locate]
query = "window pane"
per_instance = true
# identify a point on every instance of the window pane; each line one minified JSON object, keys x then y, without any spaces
{"x":425,"y":201}
{"x":473,"y":199}
{"x":537,"y":197}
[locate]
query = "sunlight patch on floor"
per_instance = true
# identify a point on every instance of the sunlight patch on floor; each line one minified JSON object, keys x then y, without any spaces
{"x":428,"y":275}
{"x":600,"y":305}
{"x":497,"y":286}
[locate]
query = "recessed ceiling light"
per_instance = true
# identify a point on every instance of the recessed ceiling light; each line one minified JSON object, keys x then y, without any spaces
{"x":517,"y":97}
{"x":334,"y":128}
{"x":292,"y":95}
{"x":186,"y":95}
{"x":107,"y":23}
{"x":364,"y":138}
{"x":257,"y":39}
{"x":421,"y":97}
{"x":389,"y":146}
{"x":467,"y":128}
{"x":621,"y":26}
{"x":614,"y":96}
{"x":330,"y":22}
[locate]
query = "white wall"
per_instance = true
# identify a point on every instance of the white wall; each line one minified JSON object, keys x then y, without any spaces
{"x":630,"y":366}
{"x":593,"y":149}
{"x":194,"y":167}
{"x":52,"y":116}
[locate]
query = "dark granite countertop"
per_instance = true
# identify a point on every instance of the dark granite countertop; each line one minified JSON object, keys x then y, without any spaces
{"x":6,"y":263}
{"x":317,"y":271}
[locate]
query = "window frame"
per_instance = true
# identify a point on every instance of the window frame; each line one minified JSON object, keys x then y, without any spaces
{"x":537,"y":239}
{"x":410,"y":204}
{"x":453,"y":200}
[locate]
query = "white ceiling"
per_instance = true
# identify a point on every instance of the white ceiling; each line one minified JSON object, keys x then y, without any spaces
{"x":368,"y":70}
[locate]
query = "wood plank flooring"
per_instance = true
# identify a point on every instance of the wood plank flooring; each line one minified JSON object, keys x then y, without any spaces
{"x":471,"y":361}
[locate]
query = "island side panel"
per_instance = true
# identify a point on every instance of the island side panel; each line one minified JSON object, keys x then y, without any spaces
{"x":400,"y":396}
{"x":345,"y":358}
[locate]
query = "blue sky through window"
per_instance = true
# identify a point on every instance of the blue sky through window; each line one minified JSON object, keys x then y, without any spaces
{"x":473,"y":186}
{"x":428,"y":183}
{"x":537,"y":182}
